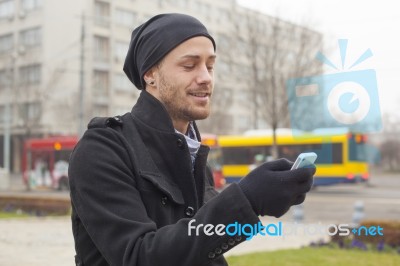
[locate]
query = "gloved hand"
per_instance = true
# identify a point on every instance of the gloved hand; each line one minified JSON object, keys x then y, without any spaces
{"x":272,"y":188}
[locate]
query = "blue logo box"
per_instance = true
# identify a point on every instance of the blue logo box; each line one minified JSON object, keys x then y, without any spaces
{"x":345,"y":99}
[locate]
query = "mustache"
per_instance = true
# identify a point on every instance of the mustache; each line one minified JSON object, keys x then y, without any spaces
{"x":201,"y":89}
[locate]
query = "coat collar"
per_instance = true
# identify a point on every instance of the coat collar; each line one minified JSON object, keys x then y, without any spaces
{"x":158,"y":134}
{"x":150,"y":111}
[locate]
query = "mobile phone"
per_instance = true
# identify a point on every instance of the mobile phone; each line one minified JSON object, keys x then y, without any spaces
{"x":304,"y":159}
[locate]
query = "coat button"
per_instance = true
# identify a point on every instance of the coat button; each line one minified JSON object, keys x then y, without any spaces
{"x":224,"y":246}
{"x":218,"y":251}
{"x":164,"y":200}
{"x":211,"y":255}
{"x":189,"y":212}
{"x":180,"y":144}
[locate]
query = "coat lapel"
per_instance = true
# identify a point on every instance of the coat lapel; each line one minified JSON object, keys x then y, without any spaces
{"x":168,"y":149}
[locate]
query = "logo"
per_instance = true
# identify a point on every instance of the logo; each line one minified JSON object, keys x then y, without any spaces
{"x":345,"y":110}
{"x":236,"y":229}
{"x":345,"y":99}
{"x":281,"y":230}
{"x":319,"y":229}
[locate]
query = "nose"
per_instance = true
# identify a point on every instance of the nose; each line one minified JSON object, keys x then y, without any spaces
{"x":205,"y":76}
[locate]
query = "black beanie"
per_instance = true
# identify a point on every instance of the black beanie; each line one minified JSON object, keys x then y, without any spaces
{"x":151,"y":41}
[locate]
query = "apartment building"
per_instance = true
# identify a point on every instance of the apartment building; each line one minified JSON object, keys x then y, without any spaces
{"x":61,"y":64}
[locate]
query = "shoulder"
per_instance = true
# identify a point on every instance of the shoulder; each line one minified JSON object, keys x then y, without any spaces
{"x":101,"y":145}
{"x":105,"y":122}
{"x":103,"y":133}
{"x":111,"y":126}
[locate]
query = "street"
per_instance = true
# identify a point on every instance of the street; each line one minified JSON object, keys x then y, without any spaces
{"x":380,"y":198}
{"x":48,"y":241}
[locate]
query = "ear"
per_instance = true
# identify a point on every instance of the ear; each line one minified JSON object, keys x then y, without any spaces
{"x":149,"y":78}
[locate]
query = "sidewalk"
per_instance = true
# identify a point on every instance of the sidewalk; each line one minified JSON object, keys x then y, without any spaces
{"x":48,"y":241}
{"x":36,"y":242}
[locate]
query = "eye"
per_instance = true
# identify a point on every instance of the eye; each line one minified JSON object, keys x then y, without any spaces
{"x":188,"y":67}
{"x":210,"y":68}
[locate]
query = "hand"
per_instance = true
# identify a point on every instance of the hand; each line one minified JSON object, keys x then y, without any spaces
{"x":272,"y":188}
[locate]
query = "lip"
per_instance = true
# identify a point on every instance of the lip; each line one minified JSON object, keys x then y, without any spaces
{"x":202,"y":97}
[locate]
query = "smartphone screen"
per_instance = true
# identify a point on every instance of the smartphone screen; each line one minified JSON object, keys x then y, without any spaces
{"x":304,"y":160}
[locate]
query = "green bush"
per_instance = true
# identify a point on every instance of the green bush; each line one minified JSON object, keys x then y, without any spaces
{"x":391,"y":232}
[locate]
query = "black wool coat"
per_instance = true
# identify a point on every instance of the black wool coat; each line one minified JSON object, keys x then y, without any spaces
{"x":134,"y":191}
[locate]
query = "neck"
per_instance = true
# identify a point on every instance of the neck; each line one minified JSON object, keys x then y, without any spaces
{"x":181,"y":126}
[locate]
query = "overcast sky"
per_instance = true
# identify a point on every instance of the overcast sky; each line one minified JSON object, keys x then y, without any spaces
{"x":366,"y":24}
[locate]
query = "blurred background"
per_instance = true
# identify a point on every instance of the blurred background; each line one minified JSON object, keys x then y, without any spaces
{"x":61,"y":64}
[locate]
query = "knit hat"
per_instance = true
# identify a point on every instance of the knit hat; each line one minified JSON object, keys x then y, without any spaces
{"x":151,"y":41}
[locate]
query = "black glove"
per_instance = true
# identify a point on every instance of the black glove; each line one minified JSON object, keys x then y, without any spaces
{"x":272,"y":187}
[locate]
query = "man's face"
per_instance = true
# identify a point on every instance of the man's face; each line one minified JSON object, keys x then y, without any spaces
{"x":184,"y":80}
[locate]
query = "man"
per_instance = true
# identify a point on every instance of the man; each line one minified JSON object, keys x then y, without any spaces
{"x":137,"y":181}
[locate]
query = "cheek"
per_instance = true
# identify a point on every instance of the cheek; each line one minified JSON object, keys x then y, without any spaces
{"x":169,"y":92}
{"x":185,"y":80}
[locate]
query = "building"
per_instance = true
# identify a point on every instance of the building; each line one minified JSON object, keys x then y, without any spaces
{"x":61,"y":64}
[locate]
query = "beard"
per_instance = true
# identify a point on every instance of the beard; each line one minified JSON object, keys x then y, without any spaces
{"x":175,"y":100}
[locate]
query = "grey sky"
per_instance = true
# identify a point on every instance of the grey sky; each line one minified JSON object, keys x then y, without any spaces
{"x":366,"y":24}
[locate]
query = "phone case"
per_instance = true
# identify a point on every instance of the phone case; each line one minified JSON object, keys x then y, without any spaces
{"x":304,"y":160}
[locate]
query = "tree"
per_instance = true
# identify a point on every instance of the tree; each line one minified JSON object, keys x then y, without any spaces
{"x":219,"y":121}
{"x":390,"y":150}
{"x":389,"y":142}
{"x":275,"y":51}
{"x":30,"y":98}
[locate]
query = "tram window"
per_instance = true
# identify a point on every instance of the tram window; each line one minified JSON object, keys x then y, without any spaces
{"x":243,"y":155}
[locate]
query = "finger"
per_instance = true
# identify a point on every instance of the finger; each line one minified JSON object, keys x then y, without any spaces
{"x":281,"y":212}
{"x":301,"y":175}
{"x":300,"y":199}
{"x":305,"y":186}
{"x":302,"y":184}
{"x":278,"y":165}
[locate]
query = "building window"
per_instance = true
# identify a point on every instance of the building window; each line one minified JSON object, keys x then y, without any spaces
{"x":121,"y":48}
{"x":29,"y":5}
{"x":243,"y":122}
{"x":242,"y":96}
{"x":5,"y":79}
{"x":101,"y":83}
{"x":122,"y":83}
{"x":223,"y":15}
{"x":125,"y":18}
{"x":6,"y":43}
{"x":101,"y":48}
{"x":29,"y":112}
{"x":120,"y":110}
{"x":31,"y":37}
{"x":242,"y":45}
{"x":2,"y":114}
{"x":102,"y":13}
{"x":242,"y":70}
{"x":224,"y":42}
{"x":223,"y":68}
{"x":30,"y":75}
{"x":100,"y":110}
{"x":7,"y":9}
